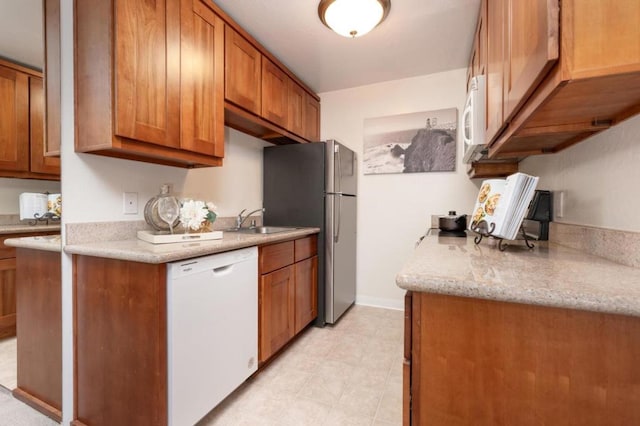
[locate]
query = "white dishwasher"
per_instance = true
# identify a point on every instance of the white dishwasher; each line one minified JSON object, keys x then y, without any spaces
{"x":212,"y":330}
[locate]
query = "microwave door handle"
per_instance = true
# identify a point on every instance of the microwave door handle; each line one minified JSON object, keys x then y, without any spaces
{"x":466,"y":129}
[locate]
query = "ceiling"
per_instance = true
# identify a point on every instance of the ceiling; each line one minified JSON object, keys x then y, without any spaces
{"x":21,"y":36}
{"x":418,"y":37}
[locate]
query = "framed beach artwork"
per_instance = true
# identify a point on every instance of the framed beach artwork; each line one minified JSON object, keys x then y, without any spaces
{"x":411,"y":143}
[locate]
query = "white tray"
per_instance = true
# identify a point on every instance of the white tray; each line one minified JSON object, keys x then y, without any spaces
{"x":164,"y":237}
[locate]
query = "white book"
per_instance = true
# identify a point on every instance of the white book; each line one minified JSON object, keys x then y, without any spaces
{"x":32,"y":204}
{"x":502,"y":204}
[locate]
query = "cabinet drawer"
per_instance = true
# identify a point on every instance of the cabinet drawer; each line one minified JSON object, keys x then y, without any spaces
{"x":306,"y":247}
{"x":275,"y":256}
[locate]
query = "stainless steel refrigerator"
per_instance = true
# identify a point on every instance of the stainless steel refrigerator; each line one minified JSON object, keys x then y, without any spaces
{"x":315,"y":184}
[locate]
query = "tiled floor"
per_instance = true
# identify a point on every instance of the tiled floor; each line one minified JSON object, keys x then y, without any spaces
{"x":348,"y":374}
{"x":8,"y":359}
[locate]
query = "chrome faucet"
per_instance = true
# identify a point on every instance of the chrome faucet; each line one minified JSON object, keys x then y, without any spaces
{"x":240,"y":219}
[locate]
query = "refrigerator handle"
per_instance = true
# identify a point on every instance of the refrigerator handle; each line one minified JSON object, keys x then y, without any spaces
{"x":336,"y":235}
{"x":337,"y":164}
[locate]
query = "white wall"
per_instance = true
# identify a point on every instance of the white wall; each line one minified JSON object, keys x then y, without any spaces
{"x":395,"y":209}
{"x":93,"y":185}
{"x":600,"y":177}
{"x":10,"y":190}
{"x":235,"y":186}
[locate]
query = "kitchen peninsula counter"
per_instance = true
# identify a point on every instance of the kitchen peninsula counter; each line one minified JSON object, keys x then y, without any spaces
{"x":136,"y":250}
{"x":549,"y":275}
{"x":520,"y":336}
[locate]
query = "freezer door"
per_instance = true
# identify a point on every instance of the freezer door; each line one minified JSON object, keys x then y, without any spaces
{"x":341,"y":169}
{"x":340,"y":248}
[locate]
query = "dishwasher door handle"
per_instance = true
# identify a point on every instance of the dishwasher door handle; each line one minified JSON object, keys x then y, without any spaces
{"x":223,"y":270}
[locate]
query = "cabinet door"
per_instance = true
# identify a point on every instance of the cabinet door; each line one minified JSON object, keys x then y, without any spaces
{"x":52,"y":76}
{"x":295,"y":103}
{"x":496,"y":13}
{"x":14,"y":120}
{"x":274,"y":93}
{"x":7,"y":297}
{"x":532,"y":42}
{"x":39,"y":163}
{"x":242,"y":68}
{"x":306,"y":292}
{"x":147,"y":71}
{"x":202,"y":79}
{"x":276,"y":311}
{"x":311,"y":118}
{"x":600,"y":37}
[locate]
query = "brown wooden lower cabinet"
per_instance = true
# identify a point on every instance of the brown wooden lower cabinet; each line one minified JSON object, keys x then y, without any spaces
{"x":120,"y":329}
{"x":481,"y":362}
{"x":276,"y":297}
{"x":8,"y":285}
{"x":39,"y":329}
{"x":287,"y":295}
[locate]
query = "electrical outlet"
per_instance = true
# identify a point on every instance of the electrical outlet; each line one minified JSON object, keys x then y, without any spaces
{"x":130,"y":202}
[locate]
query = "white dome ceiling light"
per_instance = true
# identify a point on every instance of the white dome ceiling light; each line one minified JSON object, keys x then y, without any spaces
{"x":353,"y":18}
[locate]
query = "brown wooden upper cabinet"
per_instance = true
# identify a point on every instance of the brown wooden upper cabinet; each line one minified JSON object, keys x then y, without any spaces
{"x":22,"y":125}
{"x":281,"y":109}
{"x":274,"y":93}
{"x":556,"y":76}
{"x":149,"y":81}
{"x":243,"y":68}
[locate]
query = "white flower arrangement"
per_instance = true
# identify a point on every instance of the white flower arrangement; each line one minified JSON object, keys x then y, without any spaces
{"x":197,"y":215}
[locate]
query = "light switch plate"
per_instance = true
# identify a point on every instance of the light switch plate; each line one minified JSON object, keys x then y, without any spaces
{"x":130,"y":202}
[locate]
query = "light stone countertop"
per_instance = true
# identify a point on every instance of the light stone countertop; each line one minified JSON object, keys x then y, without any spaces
{"x":140,"y":251}
{"x":548,"y":275}
{"x":42,"y":242}
{"x":26,"y":228}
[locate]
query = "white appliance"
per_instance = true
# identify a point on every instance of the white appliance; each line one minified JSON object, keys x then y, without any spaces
{"x":212,"y":330}
{"x":474,"y":119}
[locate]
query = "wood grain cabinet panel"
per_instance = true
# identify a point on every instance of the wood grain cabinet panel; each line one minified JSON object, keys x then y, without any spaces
{"x":39,"y":161}
{"x":39,"y":304}
{"x":7,"y":297}
{"x":147,"y":71}
{"x":14,"y":120}
{"x":496,"y":54}
{"x":296,"y":98}
{"x":311,"y":118}
{"x":532,"y":38}
{"x":306,"y":292}
{"x":485,"y":362}
{"x":306,"y":247}
{"x":274,"y":93}
{"x":288,"y":292}
{"x":120,"y":342}
{"x":276,"y":256}
{"x":149,"y":81}
{"x":277,"y":315}
{"x":243,"y":70}
{"x":202,"y":79}
{"x":52,"y":76}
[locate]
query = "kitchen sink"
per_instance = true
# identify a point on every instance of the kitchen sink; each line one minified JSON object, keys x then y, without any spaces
{"x":262,"y":230}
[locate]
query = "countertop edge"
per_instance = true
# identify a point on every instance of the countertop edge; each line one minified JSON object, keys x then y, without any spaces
{"x":550,"y":298}
{"x":27,"y":229}
{"x":111,"y":249}
{"x":36,"y":244}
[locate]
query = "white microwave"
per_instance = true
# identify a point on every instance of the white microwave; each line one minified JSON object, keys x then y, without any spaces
{"x":473,"y":120}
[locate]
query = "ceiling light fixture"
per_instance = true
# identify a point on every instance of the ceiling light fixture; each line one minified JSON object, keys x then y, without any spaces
{"x":353,"y":18}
